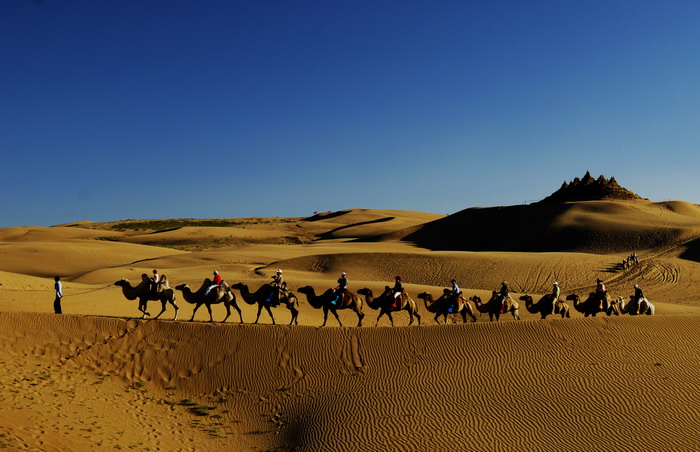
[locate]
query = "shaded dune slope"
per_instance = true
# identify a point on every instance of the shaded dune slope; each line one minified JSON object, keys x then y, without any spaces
{"x":586,"y":226}
{"x":581,"y":384}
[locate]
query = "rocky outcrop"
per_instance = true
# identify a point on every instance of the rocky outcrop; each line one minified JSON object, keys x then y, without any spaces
{"x":590,"y":189}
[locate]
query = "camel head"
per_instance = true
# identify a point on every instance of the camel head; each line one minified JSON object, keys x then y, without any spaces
{"x":144,"y":277}
{"x":572,"y":297}
{"x":306,"y":290}
{"x":446,"y":292}
{"x":526,"y":298}
{"x":423,"y":295}
{"x":365,"y":291}
{"x":239,"y":286}
{"x":121,"y":282}
{"x":476,"y":299}
{"x":182,"y":287}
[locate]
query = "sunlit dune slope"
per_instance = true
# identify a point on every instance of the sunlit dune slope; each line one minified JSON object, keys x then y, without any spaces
{"x":513,"y":386}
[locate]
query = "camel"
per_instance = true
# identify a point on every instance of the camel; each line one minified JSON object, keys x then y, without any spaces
{"x":645,"y":307}
{"x":261,"y":297}
{"x":592,"y":306}
{"x":143,"y":292}
{"x":385,"y":303}
{"x":544,"y":306}
{"x":221,"y":294}
{"x":493,"y":306}
{"x":325,"y":302}
{"x":444,"y":305}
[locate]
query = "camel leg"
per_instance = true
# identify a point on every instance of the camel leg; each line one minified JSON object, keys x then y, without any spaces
{"x":417,"y":316}
{"x":194,"y":311}
{"x":335,"y":313}
{"x":410,"y":317}
{"x":391,"y":319}
{"x":260,"y":306}
{"x":143,"y":306}
{"x":381,"y":313}
{"x":325,"y":315}
{"x":163,"y":303}
{"x":228,"y":312}
{"x":176,"y":309}
{"x":361,"y":316}
{"x":211,"y":318}
{"x":239,"y":312}
{"x":471,"y":314}
{"x":437,"y":318}
{"x":269,"y":311}
{"x":295,"y":313}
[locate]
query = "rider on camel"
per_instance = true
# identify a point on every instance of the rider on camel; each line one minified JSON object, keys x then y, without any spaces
{"x":601,"y":293}
{"x":397,"y":290}
{"x":504,"y":293}
{"x":456,"y":293}
{"x":555,"y":296}
{"x":278,"y":286}
{"x":216,"y":282}
{"x":341,"y":289}
{"x":637,"y":297}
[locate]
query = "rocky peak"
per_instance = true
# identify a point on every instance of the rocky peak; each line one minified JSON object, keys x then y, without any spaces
{"x":590,"y":189}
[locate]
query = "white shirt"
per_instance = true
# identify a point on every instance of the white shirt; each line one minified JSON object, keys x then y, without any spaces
{"x":59,"y":292}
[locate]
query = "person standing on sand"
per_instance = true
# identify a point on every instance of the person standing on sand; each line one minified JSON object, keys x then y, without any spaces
{"x":59,"y":294}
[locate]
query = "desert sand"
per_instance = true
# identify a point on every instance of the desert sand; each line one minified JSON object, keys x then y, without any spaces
{"x":99,"y":376}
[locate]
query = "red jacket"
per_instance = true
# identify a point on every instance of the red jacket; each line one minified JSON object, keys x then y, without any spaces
{"x":217,"y":279}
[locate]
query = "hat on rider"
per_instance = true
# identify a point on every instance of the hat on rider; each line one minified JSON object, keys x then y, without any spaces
{"x":278,"y":271}
{"x":636,"y":286}
{"x":598,"y":280}
{"x":216,"y":272}
{"x":555,"y":283}
{"x":342,"y":274}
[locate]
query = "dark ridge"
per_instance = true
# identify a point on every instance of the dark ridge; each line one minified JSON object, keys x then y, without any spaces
{"x":590,"y":189}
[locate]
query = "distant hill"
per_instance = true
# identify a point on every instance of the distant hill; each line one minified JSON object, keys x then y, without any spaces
{"x":589,"y":189}
{"x":585,"y":215}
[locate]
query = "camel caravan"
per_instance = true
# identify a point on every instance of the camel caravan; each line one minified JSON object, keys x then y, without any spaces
{"x":214,"y":291}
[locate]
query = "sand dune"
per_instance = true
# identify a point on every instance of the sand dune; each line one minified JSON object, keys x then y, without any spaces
{"x":593,"y":384}
{"x":592,"y":226}
{"x":98,"y":377}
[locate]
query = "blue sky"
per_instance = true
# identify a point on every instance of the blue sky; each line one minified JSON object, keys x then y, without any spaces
{"x":176,"y":109}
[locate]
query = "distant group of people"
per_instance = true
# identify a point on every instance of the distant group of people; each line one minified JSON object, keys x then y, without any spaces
{"x":630,"y":260}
